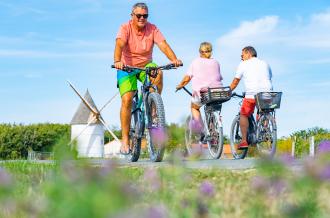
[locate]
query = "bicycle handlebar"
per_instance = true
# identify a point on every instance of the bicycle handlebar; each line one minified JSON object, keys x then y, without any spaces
{"x":129,"y":69}
{"x":189,"y":93}
{"x":234,"y":94}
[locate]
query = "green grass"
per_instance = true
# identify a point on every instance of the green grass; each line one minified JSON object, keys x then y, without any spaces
{"x":77,"y":189}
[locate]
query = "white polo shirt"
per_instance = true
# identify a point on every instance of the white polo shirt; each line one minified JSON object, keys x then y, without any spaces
{"x":257,"y":76}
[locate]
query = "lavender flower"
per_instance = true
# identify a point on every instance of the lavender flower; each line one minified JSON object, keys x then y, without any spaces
{"x":159,"y":211}
{"x":196,"y":126}
{"x":207,"y":189}
{"x":152,"y":178}
{"x":108,"y":167}
{"x":324,"y":173}
{"x":324,"y":147}
{"x":278,"y":186}
{"x":5,"y":178}
{"x":259,"y":183}
{"x":286,"y":159}
{"x":158,"y":136}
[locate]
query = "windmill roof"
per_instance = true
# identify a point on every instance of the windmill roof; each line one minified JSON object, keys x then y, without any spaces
{"x":83,"y":115}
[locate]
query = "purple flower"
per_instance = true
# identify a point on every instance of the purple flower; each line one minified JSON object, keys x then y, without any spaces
{"x":286,"y":159}
{"x":158,"y":136}
{"x":196,"y":126}
{"x":159,"y":211}
{"x":324,"y":147}
{"x":278,"y":186}
{"x":108,"y":167}
{"x":5,"y":178}
{"x":152,"y":178}
{"x":259,"y":183}
{"x":207,"y":189}
{"x":324,"y":173}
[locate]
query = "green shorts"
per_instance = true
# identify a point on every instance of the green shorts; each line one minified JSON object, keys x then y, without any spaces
{"x":127,"y":82}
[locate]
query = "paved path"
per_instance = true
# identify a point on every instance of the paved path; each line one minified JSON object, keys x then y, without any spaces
{"x":194,"y":164}
{"x":228,"y":164}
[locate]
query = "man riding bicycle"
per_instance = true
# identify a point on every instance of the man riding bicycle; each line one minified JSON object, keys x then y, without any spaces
{"x":204,"y":72}
{"x":134,"y":46}
{"x":257,"y":77}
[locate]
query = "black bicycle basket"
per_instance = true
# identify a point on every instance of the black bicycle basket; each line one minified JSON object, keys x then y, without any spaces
{"x":218,"y":94}
{"x":268,"y":100}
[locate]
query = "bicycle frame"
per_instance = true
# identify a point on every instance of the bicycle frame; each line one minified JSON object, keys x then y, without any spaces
{"x":141,"y":99}
{"x":147,"y":111}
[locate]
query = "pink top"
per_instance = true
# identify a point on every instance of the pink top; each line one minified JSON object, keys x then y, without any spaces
{"x":204,"y":72}
{"x":139,"y":46}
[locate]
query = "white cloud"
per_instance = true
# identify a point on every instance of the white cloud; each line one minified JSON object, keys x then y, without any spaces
{"x":281,"y":42}
{"x":248,"y":31}
{"x":321,"y":18}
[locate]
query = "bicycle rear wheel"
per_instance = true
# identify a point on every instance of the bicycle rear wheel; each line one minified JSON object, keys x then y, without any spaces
{"x":214,"y":134}
{"x":136,"y":132}
{"x":156,"y":135}
{"x":235,"y":139}
{"x":266,"y":135}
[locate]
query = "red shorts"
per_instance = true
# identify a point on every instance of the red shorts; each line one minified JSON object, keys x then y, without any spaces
{"x":248,"y":106}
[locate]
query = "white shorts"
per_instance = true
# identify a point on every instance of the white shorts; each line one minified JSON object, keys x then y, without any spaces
{"x":196,"y":100}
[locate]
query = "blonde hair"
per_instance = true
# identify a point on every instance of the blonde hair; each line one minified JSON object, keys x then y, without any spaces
{"x":205,"y":45}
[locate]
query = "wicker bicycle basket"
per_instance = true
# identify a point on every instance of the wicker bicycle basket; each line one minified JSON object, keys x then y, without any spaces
{"x":218,"y":94}
{"x":268,"y":100}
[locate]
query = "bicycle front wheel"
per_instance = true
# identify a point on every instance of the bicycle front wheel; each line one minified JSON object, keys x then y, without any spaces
{"x":156,"y":134}
{"x":136,"y":132}
{"x":214,"y":134}
{"x":266,"y":135}
{"x":235,"y":139}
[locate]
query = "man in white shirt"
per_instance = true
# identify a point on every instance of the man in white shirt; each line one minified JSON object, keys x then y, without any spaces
{"x":257,"y":77}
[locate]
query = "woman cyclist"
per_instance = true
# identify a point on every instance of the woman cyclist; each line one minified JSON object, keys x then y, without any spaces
{"x":203,"y":72}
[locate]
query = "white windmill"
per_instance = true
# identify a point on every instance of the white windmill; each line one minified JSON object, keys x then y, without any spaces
{"x":87,"y":127}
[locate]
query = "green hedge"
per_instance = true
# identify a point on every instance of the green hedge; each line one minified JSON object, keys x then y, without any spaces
{"x":17,"y":139}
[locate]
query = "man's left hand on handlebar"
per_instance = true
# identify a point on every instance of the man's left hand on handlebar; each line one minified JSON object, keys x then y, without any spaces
{"x":177,"y":62}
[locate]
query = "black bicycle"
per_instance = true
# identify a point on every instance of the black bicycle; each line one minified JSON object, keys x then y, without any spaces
{"x":262,"y":132}
{"x":148,"y":116}
{"x":212,"y":134}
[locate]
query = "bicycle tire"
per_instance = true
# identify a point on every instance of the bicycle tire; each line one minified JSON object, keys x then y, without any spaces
{"x":137,"y":125}
{"x":156,"y":143}
{"x":266,"y":135}
{"x":235,"y":139}
{"x":214,"y":135}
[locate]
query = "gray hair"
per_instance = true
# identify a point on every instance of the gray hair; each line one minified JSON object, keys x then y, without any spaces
{"x":250,"y":50}
{"x":140,"y":5}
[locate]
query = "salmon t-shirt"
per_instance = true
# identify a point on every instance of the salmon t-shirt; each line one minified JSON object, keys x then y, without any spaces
{"x":138,"y":48}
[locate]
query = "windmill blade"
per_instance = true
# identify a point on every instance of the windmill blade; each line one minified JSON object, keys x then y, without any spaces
{"x":106,"y":126}
{"x":89,"y":123}
{"x":106,"y":104}
{"x":92,"y":109}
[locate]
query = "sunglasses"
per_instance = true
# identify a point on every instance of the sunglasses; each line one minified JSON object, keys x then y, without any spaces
{"x":207,"y":51}
{"x":145,"y":16}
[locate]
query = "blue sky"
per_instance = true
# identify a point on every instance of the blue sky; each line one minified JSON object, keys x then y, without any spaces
{"x":45,"y":43}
